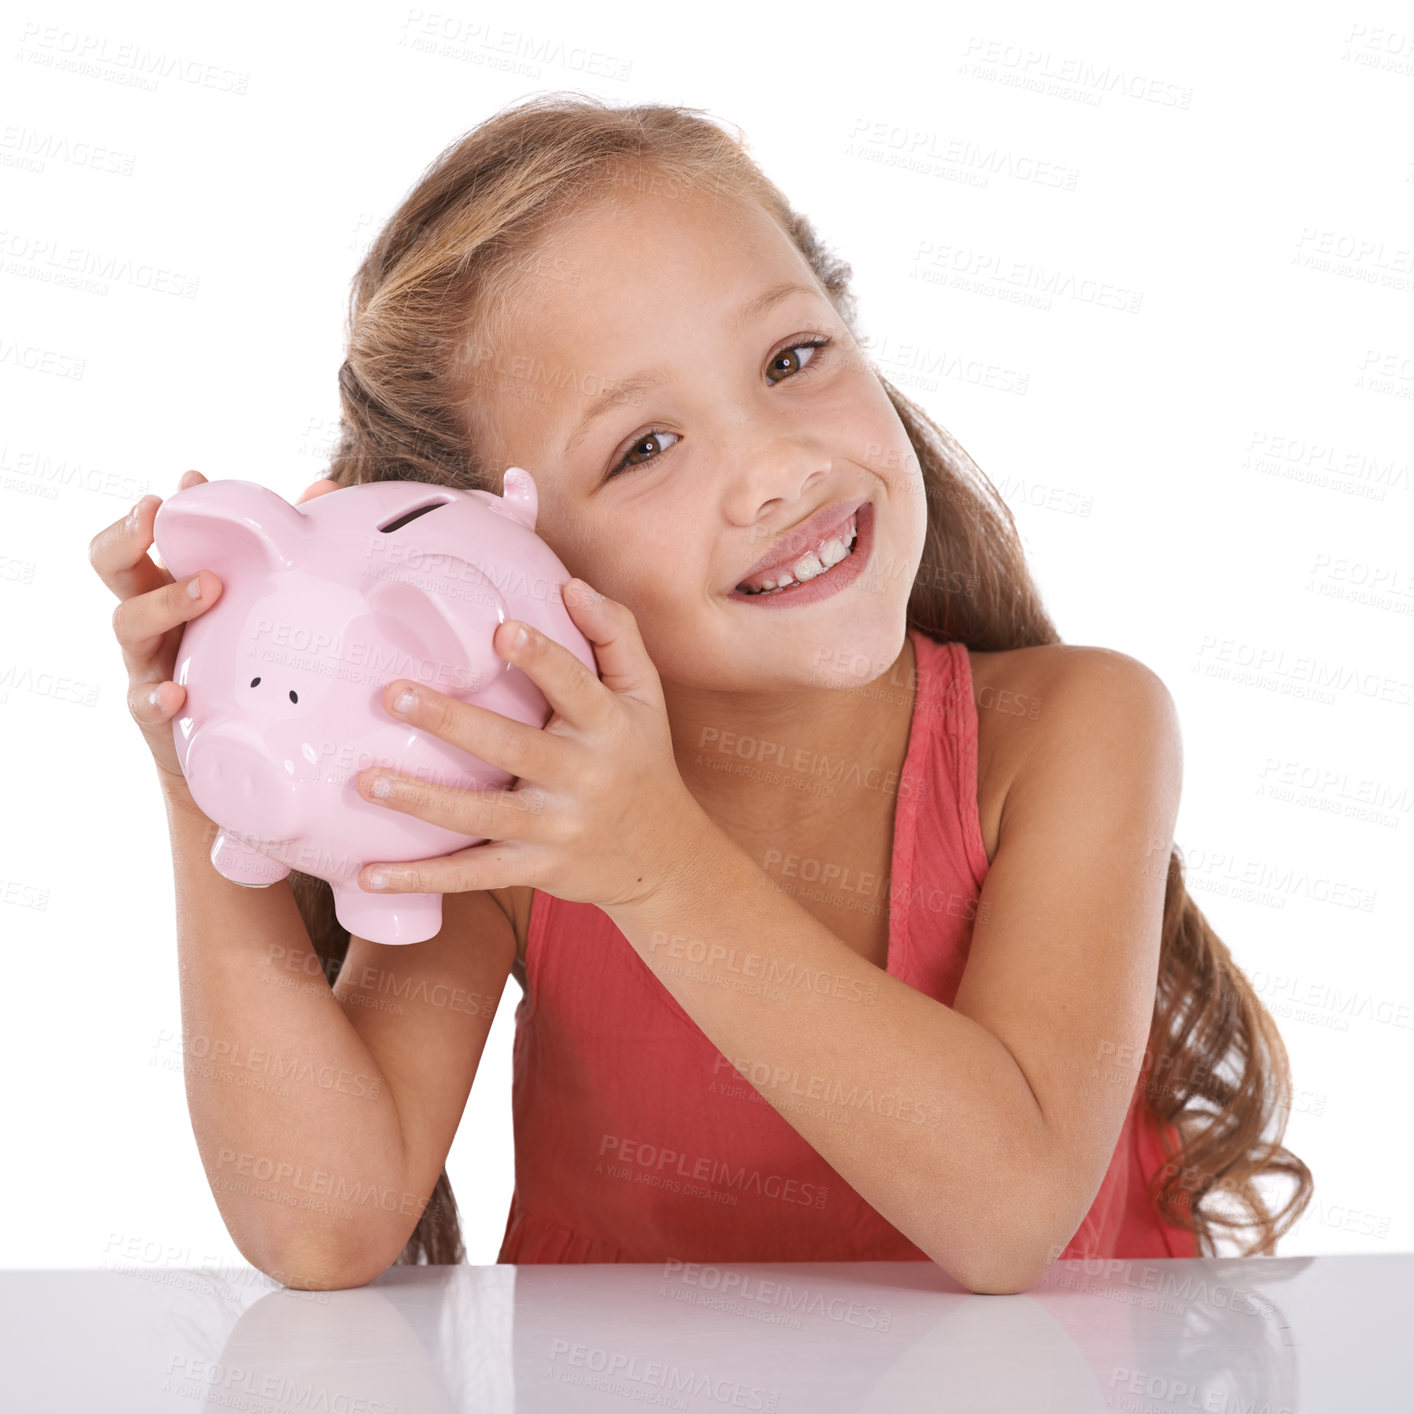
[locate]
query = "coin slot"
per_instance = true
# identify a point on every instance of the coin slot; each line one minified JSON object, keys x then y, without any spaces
{"x":402,"y":520}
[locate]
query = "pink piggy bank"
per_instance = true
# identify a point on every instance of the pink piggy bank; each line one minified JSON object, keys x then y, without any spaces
{"x":322,"y":606}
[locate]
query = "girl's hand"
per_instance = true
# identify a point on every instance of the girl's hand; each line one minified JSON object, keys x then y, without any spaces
{"x":151,"y":617}
{"x":599,"y":813}
{"x":149,"y":621}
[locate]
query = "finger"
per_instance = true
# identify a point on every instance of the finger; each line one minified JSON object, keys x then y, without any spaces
{"x":142,"y":622}
{"x":317,"y":488}
{"x":573,"y":691}
{"x":482,"y":814}
{"x":489,"y":865}
{"x":517,"y":748}
{"x":119,"y":552}
{"x":151,"y":704}
{"x":612,"y":630}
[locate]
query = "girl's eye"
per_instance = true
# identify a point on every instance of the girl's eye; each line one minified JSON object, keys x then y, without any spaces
{"x":794,"y":367}
{"x":784,"y":355}
{"x":627,"y":463}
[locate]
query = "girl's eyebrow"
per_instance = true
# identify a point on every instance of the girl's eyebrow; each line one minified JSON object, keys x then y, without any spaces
{"x":625,"y":391}
{"x":631,"y":388}
{"x":768,"y":297}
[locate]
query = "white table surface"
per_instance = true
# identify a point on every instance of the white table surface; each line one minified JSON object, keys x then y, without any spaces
{"x":1230,"y":1336}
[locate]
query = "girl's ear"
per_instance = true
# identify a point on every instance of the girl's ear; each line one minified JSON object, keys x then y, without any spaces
{"x":316,"y":488}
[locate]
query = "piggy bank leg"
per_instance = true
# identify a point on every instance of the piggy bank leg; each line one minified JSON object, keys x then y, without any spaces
{"x":241,"y":864}
{"x":388,"y":918}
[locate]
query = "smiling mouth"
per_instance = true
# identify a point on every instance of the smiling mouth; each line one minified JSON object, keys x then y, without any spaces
{"x":810,"y":566}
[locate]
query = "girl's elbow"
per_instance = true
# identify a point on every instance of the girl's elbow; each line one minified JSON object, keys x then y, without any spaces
{"x":997,"y":1272}
{"x":1003,"y":1283}
{"x":307,"y":1264}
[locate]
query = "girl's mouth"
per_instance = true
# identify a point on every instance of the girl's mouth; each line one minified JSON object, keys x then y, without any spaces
{"x":826,"y":580}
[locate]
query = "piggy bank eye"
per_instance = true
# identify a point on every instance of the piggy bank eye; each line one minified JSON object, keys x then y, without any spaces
{"x":294,"y":696}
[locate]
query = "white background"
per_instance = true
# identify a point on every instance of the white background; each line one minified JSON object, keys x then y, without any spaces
{"x":1209,"y":481}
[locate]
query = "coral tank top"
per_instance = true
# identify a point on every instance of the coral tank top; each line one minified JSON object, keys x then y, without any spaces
{"x":637,"y":1141}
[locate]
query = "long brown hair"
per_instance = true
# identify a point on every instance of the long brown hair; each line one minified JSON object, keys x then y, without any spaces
{"x":427,"y":306}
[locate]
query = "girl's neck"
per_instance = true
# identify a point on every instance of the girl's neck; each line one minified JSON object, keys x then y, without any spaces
{"x":773,"y":774}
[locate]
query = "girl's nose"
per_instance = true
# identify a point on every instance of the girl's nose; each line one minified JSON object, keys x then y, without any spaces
{"x":783,"y":469}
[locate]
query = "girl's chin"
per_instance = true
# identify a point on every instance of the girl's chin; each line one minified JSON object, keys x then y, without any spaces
{"x":833,"y":657}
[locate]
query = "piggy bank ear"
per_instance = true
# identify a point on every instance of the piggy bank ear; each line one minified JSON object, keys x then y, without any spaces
{"x":226,"y":526}
{"x":454,"y":649}
{"x":520,"y":501}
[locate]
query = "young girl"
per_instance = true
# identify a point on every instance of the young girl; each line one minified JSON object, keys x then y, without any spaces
{"x":844,"y":901}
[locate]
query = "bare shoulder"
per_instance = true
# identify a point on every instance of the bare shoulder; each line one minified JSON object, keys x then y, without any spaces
{"x":1043,"y":696}
{"x":1055,"y":665}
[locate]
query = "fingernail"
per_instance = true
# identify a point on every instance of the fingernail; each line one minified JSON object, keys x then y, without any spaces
{"x":407,"y":700}
{"x":155,"y":697}
{"x":194,"y":587}
{"x":521,"y":638}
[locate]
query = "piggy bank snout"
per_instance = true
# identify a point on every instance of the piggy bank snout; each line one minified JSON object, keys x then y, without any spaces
{"x":241,"y":788}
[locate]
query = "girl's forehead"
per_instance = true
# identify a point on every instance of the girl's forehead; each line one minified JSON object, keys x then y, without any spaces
{"x":608,"y":287}
{"x":683,"y":235}
{"x":629,"y":270}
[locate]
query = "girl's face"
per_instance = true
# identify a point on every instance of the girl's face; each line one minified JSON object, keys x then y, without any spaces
{"x":662,"y":390}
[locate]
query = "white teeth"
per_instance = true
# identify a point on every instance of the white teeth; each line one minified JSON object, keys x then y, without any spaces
{"x":811,"y":564}
{"x":807,"y":567}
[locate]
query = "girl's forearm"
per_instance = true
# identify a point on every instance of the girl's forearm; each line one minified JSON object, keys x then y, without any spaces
{"x":298,"y":1131}
{"x":920,"y":1109}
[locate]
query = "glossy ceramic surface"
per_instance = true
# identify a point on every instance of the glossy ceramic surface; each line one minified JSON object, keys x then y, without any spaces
{"x":322,"y":605}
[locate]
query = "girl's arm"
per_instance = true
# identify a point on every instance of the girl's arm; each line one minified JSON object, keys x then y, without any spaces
{"x":323,"y":1117}
{"x":1004,"y":1110}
